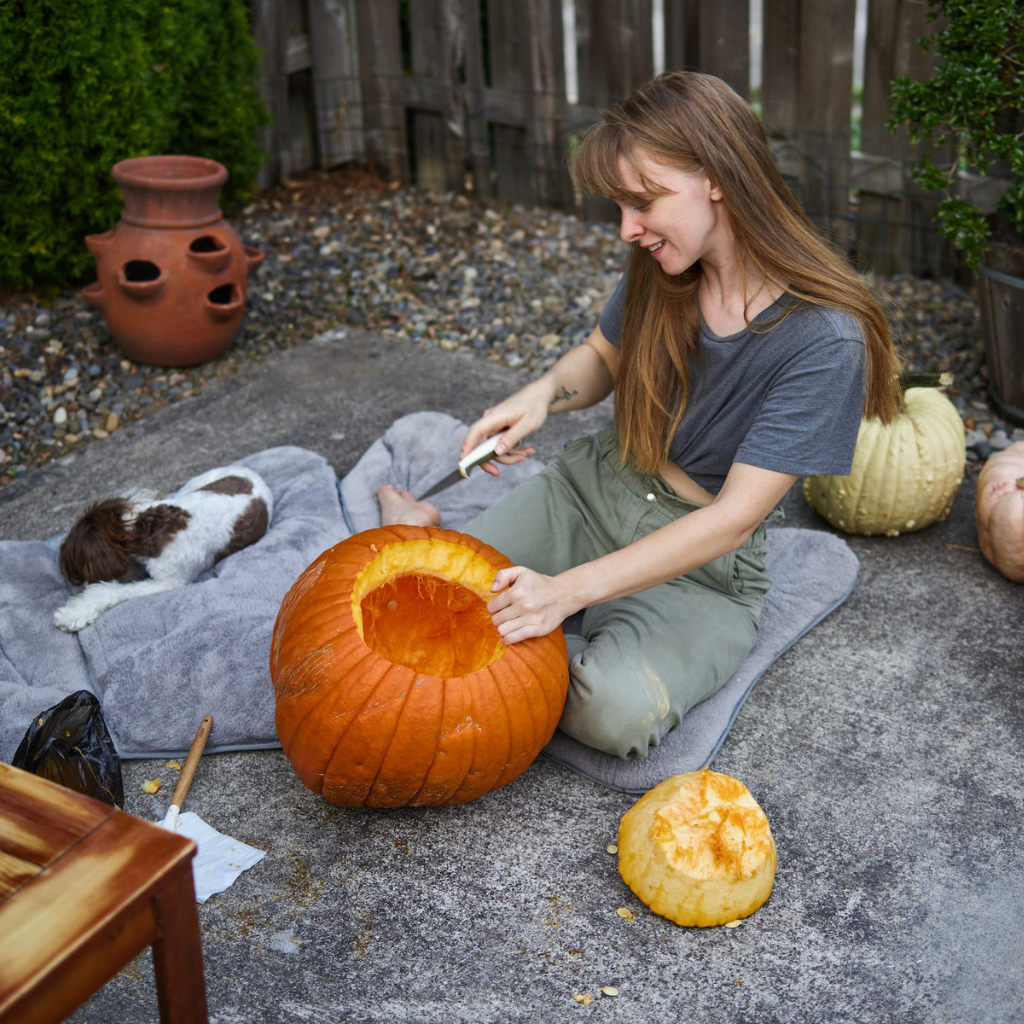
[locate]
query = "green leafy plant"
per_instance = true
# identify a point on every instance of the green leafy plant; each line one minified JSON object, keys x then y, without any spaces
{"x":83,"y":86}
{"x":974,"y":99}
{"x":209,"y":71}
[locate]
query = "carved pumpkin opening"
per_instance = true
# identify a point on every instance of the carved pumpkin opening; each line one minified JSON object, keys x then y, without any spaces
{"x":412,"y":611}
{"x":430,"y":625}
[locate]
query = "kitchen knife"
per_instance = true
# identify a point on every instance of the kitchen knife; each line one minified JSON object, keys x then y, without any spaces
{"x":482,"y":453}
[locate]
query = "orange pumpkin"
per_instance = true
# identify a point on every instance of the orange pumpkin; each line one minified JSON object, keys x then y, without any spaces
{"x":999,"y":511}
{"x":393,"y":686}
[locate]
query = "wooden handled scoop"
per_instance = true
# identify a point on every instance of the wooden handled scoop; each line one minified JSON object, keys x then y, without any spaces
{"x":219,"y":859}
{"x":188,"y":772}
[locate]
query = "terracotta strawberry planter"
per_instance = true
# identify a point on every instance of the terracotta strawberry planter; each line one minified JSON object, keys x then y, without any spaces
{"x":172,"y":275}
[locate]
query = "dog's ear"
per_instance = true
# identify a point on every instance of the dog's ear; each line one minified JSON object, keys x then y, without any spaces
{"x":100,"y":545}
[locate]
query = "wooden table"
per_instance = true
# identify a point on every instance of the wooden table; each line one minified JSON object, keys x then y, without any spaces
{"x":83,"y":889}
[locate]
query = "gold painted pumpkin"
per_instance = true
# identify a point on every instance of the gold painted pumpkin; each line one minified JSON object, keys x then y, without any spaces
{"x":393,"y":686}
{"x":905,"y":474}
{"x":999,"y":511}
{"x":698,"y":850}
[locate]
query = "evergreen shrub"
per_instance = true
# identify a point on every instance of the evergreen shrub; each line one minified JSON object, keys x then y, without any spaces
{"x":84,"y":85}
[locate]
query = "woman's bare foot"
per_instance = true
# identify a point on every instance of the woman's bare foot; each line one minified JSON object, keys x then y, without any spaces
{"x":401,"y":507}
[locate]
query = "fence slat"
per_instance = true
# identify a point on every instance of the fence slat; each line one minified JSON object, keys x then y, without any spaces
{"x":615,"y":48}
{"x":826,"y":65}
{"x":780,"y":74}
{"x":896,"y":223}
{"x":379,"y":36}
{"x":891,"y":50}
{"x":548,"y":136}
{"x":527,"y":61}
{"x":337,"y":98}
{"x":723,"y":28}
{"x":437,"y":33}
{"x":712,"y":36}
{"x":682,"y":34}
{"x":300,"y":149}
{"x":272,"y":39}
{"x":509,"y":51}
{"x":615,"y":54}
{"x":478,"y":151}
{"x":809,"y":104}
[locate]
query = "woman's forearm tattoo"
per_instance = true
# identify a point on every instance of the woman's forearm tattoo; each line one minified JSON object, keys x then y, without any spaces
{"x":565,"y":396}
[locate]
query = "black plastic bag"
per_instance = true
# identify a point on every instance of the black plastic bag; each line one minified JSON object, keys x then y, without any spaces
{"x":69,"y":744}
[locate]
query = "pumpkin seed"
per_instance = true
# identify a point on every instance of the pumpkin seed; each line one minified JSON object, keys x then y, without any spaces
{"x":625,"y":913}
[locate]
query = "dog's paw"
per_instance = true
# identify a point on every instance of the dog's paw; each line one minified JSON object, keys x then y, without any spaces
{"x":73,"y":617}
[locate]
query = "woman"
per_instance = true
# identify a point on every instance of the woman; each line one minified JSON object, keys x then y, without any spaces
{"x":743,"y":353}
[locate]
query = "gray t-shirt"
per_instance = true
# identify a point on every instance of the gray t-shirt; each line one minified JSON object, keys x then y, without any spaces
{"x":789,"y":399}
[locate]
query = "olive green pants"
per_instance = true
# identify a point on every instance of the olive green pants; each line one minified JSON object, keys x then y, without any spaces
{"x":639,"y":663}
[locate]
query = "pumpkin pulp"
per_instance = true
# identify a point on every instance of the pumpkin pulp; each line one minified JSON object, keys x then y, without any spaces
{"x":715,"y":827}
{"x":424,"y":605}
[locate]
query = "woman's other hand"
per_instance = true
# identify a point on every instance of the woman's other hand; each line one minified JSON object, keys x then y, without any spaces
{"x":527,"y":604}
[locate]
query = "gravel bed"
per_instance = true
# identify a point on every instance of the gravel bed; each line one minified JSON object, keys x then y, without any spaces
{"x":514,"y":285}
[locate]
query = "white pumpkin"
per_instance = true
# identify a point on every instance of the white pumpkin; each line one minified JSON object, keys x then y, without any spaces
{"x":698,"y":850}
{"x":905,"y":475}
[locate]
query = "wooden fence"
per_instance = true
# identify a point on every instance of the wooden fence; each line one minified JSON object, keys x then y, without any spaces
{"x":471,"y":95}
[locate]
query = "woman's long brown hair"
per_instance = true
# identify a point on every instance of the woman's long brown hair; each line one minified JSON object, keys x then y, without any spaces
{"x":695,"y":122}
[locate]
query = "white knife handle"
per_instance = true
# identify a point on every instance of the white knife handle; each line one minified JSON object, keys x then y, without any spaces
{"x":483,"y":452}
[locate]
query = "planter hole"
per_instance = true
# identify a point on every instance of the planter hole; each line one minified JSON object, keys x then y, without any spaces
{"x":141,"y":271}
{"x":207,"y":243}
{"x":225,"y":295}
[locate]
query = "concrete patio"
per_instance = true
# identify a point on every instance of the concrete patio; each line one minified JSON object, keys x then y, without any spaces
{"x":885,"y":747}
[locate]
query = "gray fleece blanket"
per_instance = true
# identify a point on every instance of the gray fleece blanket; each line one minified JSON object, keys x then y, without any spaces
{"x":158,"y":664}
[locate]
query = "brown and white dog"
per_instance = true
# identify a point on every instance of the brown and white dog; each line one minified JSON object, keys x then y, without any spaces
{"x":175,"y":539}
